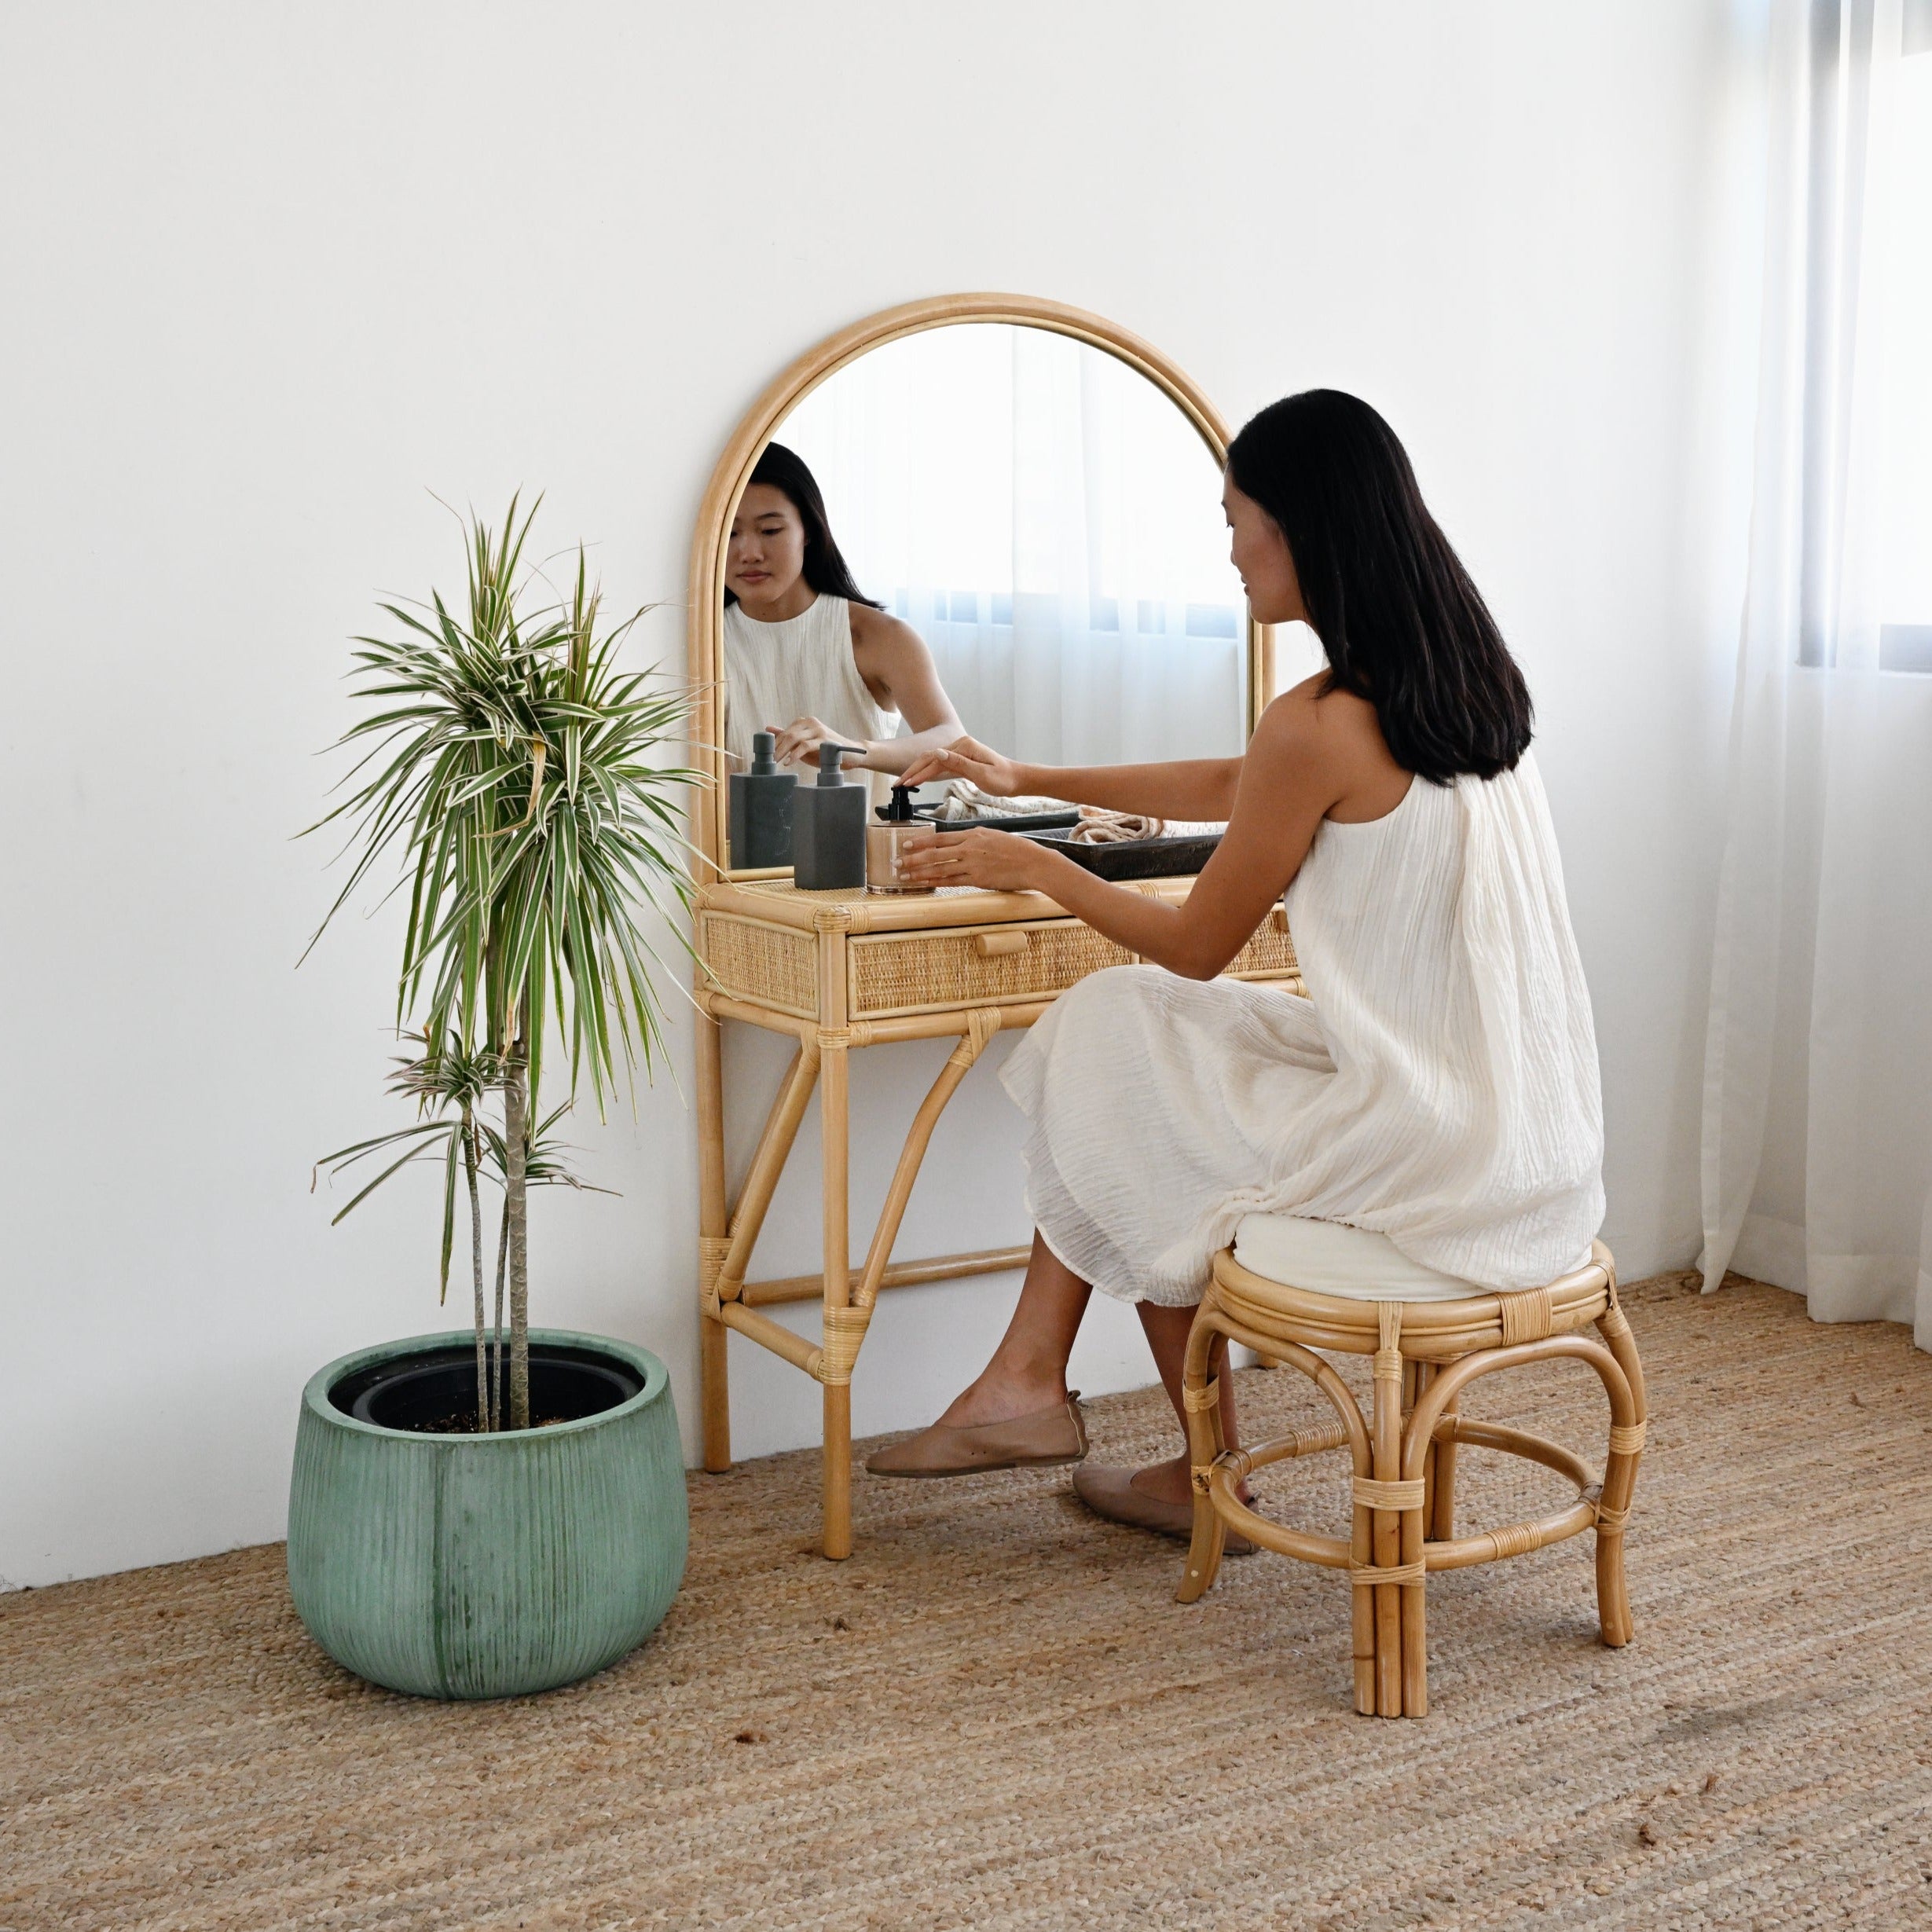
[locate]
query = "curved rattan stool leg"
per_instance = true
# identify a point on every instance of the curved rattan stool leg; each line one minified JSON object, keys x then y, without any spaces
{"x":1613,"y":1509}
{"x":1611,"y":1506}
{"x":1441,"y":1520}
{"x":1201,"y":1397}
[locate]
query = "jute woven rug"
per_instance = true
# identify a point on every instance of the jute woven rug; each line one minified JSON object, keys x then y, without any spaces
{"x":996,"y":1714}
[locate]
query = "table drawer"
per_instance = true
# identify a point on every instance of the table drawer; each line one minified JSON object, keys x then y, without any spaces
{"x":893,"y":973}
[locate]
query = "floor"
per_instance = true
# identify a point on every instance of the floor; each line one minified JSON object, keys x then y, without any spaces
{"x":995,"y":1715}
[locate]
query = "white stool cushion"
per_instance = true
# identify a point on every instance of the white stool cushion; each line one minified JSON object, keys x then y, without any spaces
{"x":1331,"y":1258}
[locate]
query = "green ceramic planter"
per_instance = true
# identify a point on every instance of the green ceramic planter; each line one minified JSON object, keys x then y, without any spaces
{"x":493,"y":1566}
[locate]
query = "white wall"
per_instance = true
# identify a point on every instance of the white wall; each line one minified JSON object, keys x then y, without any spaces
{"x":273,"y":274}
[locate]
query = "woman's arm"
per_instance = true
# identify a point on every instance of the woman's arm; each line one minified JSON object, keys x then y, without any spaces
{"x":1183,"y":788}
{"x":1304,"y":758}
{"x":898,"y":671}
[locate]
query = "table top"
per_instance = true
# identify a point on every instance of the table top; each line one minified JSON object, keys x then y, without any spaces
{"x":778,"y":902}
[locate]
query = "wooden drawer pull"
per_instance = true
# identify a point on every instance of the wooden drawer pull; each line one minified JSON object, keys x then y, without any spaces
{"x":998,"y":945}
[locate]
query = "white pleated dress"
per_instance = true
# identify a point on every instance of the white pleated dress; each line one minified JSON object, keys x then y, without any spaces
{"x":1438,"y":1086}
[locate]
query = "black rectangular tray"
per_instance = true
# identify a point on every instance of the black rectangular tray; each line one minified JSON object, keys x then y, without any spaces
{"x":1029,"y":822}
{"x":1139,"y":858}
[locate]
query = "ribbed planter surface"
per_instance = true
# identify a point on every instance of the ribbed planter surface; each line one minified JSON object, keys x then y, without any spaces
{"x":467,"y":1566}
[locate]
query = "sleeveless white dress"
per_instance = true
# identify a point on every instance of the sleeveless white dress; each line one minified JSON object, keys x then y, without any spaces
{"x":1438,"y":1086}
{"x":800,"y":667}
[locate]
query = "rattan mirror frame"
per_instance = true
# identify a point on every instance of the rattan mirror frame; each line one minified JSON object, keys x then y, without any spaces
{"x":760,"y":424}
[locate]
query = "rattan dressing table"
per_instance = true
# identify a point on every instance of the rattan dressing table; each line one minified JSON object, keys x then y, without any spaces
{"x":839,"y":971}
{"x":842,"y":971}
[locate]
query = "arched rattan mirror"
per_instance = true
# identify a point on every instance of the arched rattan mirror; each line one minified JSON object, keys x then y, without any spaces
{"x":1032,"y":489}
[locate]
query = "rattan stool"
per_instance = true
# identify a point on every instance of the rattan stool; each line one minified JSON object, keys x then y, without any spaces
{"x":1424,"y":1354}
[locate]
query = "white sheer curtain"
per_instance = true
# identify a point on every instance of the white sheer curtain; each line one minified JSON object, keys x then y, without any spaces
{"x":1817,"y":1130}
{"x":1051,"y":524}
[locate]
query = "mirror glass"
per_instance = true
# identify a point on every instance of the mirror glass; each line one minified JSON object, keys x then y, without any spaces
{"x":1045,"y":521}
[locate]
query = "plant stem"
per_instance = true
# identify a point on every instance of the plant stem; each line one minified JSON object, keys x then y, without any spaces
{"x":496,"y":1368}
{"x":516,"y":1199}
{"x":476,"y":1267}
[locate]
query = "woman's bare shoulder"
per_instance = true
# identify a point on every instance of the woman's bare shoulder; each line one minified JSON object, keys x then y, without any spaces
{"x":1331,"y":731}
{"x":871,"y":627}
{"x":1315,"y":707}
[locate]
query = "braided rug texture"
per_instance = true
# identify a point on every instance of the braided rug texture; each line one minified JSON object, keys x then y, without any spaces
{"x":995,"y":1715}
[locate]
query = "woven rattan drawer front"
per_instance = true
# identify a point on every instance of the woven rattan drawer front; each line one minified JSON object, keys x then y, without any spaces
{"x":891,"y":973}
{"x":1270,"y":955}
{"x":770,"y":966}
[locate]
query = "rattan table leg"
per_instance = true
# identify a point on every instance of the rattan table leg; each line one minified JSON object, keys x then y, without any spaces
{"x":714,"y":1384}
{"x":834,"y":1095}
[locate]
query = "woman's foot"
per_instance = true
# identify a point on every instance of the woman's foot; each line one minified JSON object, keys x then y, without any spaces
{"x":1160,"y":1498}
{"x":1044,"y":1437}
{"x":1003,"y":1392}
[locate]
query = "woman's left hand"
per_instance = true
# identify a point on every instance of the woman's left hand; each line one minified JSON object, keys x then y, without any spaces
{"x":999,"y":861}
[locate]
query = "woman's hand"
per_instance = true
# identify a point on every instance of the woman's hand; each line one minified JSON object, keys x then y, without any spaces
{"x":999,"y":861}
{"x":998,"y":776}
{"x":798,"y":742}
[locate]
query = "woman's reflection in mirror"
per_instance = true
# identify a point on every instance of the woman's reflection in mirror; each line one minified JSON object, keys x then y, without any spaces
{"x":807,"y":655}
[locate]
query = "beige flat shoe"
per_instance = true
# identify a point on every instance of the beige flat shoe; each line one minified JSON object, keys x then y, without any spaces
{"x":1046,"y":1437}
{"x":1110,"y":1492}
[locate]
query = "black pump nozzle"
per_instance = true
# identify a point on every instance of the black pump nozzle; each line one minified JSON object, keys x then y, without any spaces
{"x":898,"y":810}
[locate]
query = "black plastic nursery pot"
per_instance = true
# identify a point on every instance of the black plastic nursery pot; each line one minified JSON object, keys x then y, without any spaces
{"x":458,"y":1565}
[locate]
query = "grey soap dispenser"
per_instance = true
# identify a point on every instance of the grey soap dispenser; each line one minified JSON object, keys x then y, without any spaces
{"x":762,"y":809}
{"x":828,"y":826}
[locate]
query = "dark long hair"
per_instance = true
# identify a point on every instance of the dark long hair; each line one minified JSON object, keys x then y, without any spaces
{"x":1402,"y":624}
{"x":825,"y":569}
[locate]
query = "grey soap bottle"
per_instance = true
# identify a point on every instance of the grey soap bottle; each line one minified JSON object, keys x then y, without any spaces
{"x":762,"y":809}
{"x":828,"y":826}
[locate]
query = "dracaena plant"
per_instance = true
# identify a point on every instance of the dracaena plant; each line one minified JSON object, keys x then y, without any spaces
{"x":509,"y":778}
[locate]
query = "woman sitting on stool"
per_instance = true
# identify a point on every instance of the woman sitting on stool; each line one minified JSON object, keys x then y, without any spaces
{"x":1438,"y":1086}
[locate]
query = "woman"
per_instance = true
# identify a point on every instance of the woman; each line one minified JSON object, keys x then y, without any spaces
{"x":1440,"y":1084}
{"x":802,"y":643}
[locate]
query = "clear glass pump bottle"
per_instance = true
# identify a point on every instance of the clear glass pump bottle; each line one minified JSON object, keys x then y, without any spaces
{"x":884,"y":840}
